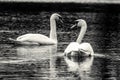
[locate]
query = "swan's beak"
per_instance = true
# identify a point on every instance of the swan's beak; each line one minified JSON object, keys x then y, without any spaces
{"x":73,"y":26}
{"x":61,"y":19}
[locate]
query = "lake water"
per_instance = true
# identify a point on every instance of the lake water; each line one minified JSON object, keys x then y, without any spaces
{"x":47,"y":62}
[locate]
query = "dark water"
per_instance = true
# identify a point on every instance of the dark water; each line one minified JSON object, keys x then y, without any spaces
{"x":47,"y":62}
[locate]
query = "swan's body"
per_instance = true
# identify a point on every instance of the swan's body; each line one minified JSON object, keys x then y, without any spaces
{"x":38,"y":39}
{"x":83,"y":49}
{"x":35,"y":39}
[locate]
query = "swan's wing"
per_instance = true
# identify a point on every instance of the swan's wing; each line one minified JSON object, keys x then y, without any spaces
{"x":73,"y":46}
{"x":81,"y":48}
{"x":87,"y":48}
{"x":35,"y":38}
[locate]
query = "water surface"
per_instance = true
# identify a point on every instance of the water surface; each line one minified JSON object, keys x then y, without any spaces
{"x":47,"y":62}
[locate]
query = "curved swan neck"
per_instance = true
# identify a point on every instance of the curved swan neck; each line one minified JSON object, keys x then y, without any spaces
{"x":53,"y":34}
{"x":82,"y":33}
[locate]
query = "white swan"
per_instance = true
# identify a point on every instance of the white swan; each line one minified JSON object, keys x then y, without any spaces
{"x":83,"y":49}
{"x":37,"y":39}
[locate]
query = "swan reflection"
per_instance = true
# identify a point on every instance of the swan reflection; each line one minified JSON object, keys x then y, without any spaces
{"x":21,"y":54}
{"x":36,"y":52}
{"x":80,"y":66}
{"x":41,"y":53}
{"x":43,"y":64}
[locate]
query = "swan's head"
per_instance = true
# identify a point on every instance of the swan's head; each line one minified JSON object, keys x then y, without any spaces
{"x":56,"y":16}
{"x":79,"y":23}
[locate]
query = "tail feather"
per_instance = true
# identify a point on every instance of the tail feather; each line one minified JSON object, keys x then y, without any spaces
{"x":13,"y":41}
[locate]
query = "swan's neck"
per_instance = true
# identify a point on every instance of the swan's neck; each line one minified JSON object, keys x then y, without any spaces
{"x":53,"y":34}
{"x":82,"y":33}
